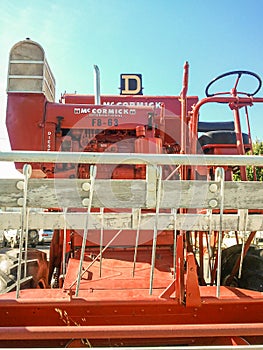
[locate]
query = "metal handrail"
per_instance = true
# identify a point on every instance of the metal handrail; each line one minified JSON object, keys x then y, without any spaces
{"x":130,"y":158}
{"x":201,"y":347}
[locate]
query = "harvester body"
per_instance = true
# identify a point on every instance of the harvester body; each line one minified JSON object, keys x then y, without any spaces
{"x":139,"y":193}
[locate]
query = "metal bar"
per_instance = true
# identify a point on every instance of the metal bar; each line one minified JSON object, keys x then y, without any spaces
{"x":132,"y":331}
{"x":26,"y":242}
{"x":173,"y":172}
{"x":129,"y":158}
{"x":27,"y":92}
{"x":137,"y":240}
{"x":239,"y":142}
{"x":220,"y":176}
{"x":64,"y":243}
{"x":155,"y":228}
{"x":85,"y":234}
{"x":26,"y":61}
{"x":27,"y":171}
{"x":178,"y":347}
{"x":209,"y":248}
{"x":174,"y":213}
{"x":242,"y":254}
{"x":40,"y":77}
{"x":183,"y":100}
{"x":101,"y":237}
{"x":244,"y":213}
{"x":250,"y":141}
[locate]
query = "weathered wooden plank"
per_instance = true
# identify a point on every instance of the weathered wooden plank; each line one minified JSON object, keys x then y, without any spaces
{"x":73,"y":193}
{"x":69,"y":193}
{"x":203,"y":194}
{"x":116,"y":221}
{"x":243,"y":195}
{"x":187,"y":194}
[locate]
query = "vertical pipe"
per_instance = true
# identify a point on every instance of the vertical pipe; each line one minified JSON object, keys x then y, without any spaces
{"x":183,"y":100}
{"x":240,"y":145}
{"x":250,"y":143}
{"x":97,"y":85}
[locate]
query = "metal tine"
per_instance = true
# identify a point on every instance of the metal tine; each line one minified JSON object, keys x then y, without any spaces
{"x":220,"y":177}
{"x":155,"y":229}
{"x":244,"y":213}
{"x":27,"y":171}
{"x":93,"y":170}
{"x":209,"y":248}
{"x":26,"y":242}
{"x":64,"y":242}
{"x":101,"y":237}
{"x":137,"y":240}
{"x":174,"y":213}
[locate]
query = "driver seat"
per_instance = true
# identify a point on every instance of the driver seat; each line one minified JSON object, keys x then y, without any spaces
{"x":220,"y":138}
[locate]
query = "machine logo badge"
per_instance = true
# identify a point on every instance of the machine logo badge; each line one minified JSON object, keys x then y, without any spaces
{"x":131,"y":84}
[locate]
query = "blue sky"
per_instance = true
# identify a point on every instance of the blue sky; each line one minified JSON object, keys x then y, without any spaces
{"x":151,"y":37}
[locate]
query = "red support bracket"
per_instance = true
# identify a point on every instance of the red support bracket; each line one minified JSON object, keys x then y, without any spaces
{"x":192,"y":296}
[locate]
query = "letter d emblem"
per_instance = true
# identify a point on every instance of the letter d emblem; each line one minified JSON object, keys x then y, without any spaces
{"x":131,"y":84}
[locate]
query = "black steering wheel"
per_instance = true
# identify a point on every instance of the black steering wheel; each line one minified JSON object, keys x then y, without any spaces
{"x":239,"y":73}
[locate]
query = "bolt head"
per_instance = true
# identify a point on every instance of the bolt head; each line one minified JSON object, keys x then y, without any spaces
{"x":213,"y":203}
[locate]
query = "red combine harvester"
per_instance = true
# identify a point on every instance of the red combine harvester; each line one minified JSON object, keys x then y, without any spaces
{"x":140,"y":194}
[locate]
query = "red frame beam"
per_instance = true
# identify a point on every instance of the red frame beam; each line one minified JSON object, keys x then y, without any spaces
{"x":129,"y":331}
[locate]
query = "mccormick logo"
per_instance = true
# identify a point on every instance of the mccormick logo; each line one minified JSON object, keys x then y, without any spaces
{"x":105,"y":111}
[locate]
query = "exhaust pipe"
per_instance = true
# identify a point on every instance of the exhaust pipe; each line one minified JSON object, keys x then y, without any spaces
{"x":97,"y":84}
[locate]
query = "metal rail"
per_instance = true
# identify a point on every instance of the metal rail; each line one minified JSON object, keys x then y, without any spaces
{"x":201,"y":347}
{"x":220,"y":176}
{"x":85,"y":235}
{"x":132,"y":331}
{"x":129,"y":158}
